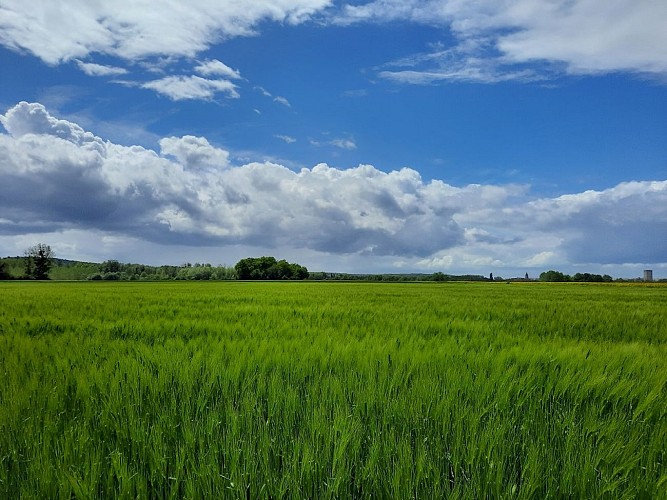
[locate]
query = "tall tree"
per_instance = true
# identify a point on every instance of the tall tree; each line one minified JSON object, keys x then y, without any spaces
{"x":39,"y":260}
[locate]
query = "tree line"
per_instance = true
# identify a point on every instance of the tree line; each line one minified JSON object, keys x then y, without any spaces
{"x":557,"y":276}
{"x":112,"y":270}
{"x":39,"y":260}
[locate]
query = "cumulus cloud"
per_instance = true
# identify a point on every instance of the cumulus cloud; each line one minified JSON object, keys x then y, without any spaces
{"x":92,"y":69}
{"x":181,"y":87}
{"x":627,"y":223}
{"x":58,"y":177}
{"x":527,"y":39}
{"x":61,"y":31}
{"x":33,"y":119}
{"x":194,"y":152}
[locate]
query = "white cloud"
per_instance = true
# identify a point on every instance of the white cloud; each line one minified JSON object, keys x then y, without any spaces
{"x":282,"y":100}
{"x":288,"y":139}
{"x":279,"y":99}
{"x":59,"y":178}
{"x":263,"y":91}
{"x":541,"y":259}
{"x":590,"y":36}
{"x":194,"y":152}
{"x":60,"y":31}
{"x":462,"y":63}
{"x":218,"y":68}
{"x":92,"y":69}
{"x":497,"y":40}
{"x":33,"y":119}
{"x":341,"y":143}
{"x":348,"y":144}
{"x":158,"y":65}
{"x":528,"y":39}
{"x":191,"y":87}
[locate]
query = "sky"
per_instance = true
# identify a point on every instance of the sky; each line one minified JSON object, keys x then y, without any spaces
{"x":503,"y":136}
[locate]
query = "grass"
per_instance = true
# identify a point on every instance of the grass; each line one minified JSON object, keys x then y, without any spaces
{"x":332,"y":390}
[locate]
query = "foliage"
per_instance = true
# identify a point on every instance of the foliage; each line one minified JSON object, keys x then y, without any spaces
{"x":110,"y":266}
{"x":38,"y":261}
{"x":268,"y":268}
{"x":71,"y":270}
{"x":332,"y":390}
{"x":28,"y":267}
{"x":592,"y":278}
{"x":4,"y":271}
{"x":554,"y":276}
{"x":557,"y":276}
{"x":62,"y":269}
{"x":112,"y":270}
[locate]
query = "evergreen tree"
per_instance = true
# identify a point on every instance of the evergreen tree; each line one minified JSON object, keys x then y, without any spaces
{"x":39,"y":260}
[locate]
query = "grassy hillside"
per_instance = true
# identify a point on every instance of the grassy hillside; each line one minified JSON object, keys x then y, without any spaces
{"x":332,"y":390}
{"x":62,"y":269}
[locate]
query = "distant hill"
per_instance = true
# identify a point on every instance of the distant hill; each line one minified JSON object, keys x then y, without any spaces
{"x":62,"y":269}
{"x":112,"y":270}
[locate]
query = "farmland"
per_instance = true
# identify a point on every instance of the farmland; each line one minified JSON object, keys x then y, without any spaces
{"x":332,"y":390}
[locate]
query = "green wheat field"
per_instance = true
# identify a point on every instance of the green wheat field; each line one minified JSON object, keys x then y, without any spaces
{"x":333,"y":390}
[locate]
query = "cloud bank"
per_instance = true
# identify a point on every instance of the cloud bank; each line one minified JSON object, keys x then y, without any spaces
{"x":494,"y":40}
{"x":499,"y":40}
{"x":57,"y":177}
{"x":60,"y":31}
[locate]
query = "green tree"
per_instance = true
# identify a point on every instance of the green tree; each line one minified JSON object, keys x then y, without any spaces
{"x":268,"y":268}
{"x":299,"y":272}
{"x":110,"y":266}
{"x":552,"y":275}
{"x":28,"y":265}
{"x":243,"y":269}
{"x":4,"y":273}
{"x":39,"y":260}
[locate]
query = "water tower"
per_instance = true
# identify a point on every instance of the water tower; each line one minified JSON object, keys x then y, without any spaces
{"x":648,"y":274}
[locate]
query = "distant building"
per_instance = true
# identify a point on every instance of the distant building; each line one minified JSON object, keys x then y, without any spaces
{"x":648,"y":275}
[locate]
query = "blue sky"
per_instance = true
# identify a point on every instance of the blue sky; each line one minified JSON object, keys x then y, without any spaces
{"x":386,"y":136}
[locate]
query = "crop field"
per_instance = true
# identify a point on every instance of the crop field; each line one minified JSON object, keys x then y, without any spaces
{"x":333,"y":390}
